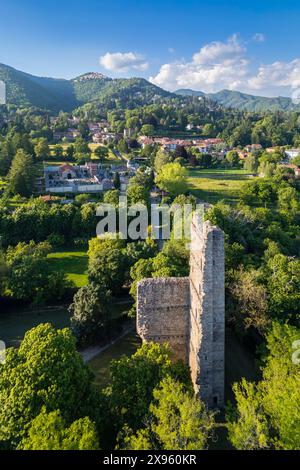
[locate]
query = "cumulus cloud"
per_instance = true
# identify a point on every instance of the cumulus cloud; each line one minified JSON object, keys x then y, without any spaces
{"x":258,"y":37}
{"x":218,"y":51}
{"x":123,"y":61}
{"x":281,"y":74}
{"x":226,"y":65}
{"x":214,"y":63}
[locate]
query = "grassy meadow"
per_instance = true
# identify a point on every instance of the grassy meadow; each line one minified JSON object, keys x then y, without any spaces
{"x":216,"y":184}
{"x":73,"y":263}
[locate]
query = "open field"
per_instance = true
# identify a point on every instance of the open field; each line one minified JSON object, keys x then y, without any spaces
{"x":73,"y":263}
{"x":216,"y":184}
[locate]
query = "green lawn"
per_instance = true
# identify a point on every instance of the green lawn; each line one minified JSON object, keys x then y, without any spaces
{"x":100,"y":364}
{"x":73,"y":263}
{"x":216,"y":184}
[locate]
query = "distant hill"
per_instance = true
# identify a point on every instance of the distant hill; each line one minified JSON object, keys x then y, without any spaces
{"x":88,"y":87}
{"x":23,"y":89}
{"x":58,"y":94}
{"x":244,"y":101}
{"x":188,"y":92}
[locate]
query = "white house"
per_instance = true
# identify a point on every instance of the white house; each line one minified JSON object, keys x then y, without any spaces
{"x":292,"y":153}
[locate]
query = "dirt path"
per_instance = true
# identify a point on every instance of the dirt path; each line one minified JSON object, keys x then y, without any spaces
{"x":89,"y":353}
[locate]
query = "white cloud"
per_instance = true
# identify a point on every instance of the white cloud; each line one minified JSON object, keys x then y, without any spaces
{"x":214,"y":64}
{"x":217,"y":51}
{"x":258,"y":37}
{"x":280,"y":74}
{"x":226,"y":65}
{"x":123,"y":61}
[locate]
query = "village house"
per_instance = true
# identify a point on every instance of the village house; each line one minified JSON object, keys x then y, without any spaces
{"x":93,"y":127}
{"x":76,"y":178}
{"x":70,"y":135}
{"x":103,"y":137}
{"x":253,"y":148}
{"x":295,"y":168}
{"x":204,"y":145}
{"x":88,"y":178}
{"x":292,"y":153}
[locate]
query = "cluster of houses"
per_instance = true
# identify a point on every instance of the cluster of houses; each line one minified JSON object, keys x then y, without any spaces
{"x":100,"y":131}
{"x":88,"y":178}
{"x":204,"y":145}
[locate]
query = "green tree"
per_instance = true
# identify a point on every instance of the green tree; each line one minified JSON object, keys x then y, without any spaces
{"x":22,"y":174}
{"x":137,"y":194}
{"x":172,"y":260}
{"x":122,"y":146}
{"x":161,"y":159}
{"x":251,"y":164}
{"x":267,"y":169}
{"x":3,"y":272}
{"x":296,"y":160}
{"x":49,"y":431}
{"x":267,"y":415}
{"x":58,"y":152}
{"x":142,"y":269}
{"x":82,"y":150}
{"x":70,"y":150}
{"x":181,"y":421}
{"x":288,"y":200}
{"x":132,"y":122}
{"x":41,"y":149}
{"x":172,"y":178}
{"x":283,"y":283}
{"x":101,"y":153}
{"x":147,"y":129}
{"x":116,"y":180}
{"x":6,"y":157}
{"x":248,"y":426}
{"x":112,"y":197}
{"x":208,"y":130}
{"x":28,"y":261}
{"x":107,"y":263}
{"x":90,"y":313}
{"x":45,"y":371}
{"x":247,"y":302}
{"x":232,"y":158}
{"x":133,"y":379}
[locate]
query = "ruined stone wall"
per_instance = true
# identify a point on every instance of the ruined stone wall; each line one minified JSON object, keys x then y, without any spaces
{"x":189,"y":313}
{"x":163,"y":310}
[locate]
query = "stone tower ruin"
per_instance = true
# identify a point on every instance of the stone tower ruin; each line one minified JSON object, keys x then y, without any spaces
{"x":189,"y":312}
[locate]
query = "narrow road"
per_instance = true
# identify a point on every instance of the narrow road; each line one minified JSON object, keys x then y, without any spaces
{"x":89,"y":353}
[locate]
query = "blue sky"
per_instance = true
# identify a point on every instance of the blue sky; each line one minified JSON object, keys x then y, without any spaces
{"x":249,"y":46}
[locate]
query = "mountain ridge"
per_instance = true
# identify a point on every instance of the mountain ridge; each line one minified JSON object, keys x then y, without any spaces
{"x":59,"y":94}
{"x":244,"y":101}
